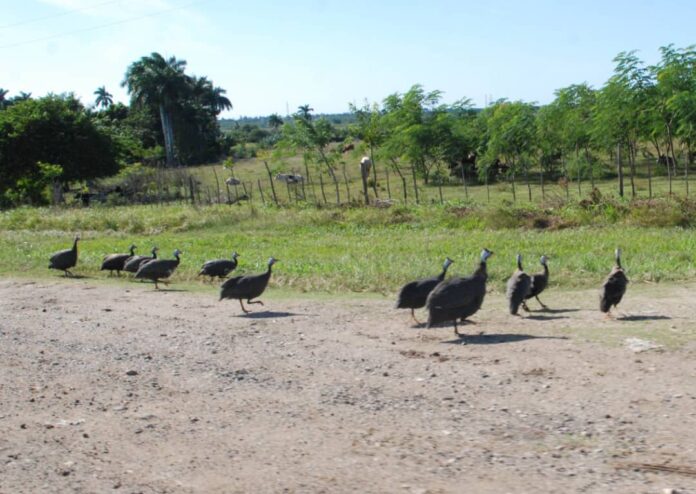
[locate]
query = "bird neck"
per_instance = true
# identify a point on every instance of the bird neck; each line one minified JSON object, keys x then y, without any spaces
{"x":74,"y":245}
{"x":519,"y":264}
{"x":546,"y":269}
{"x":268,"y":271}
{"x":481,"y":271}
{"x":132,"y":251}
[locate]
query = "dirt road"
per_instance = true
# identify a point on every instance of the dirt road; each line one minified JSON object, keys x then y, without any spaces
{"x":121,"y":388}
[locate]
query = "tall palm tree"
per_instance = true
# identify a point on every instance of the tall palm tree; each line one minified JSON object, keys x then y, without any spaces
{"x":159,"y":83}
{"x":3,"y":100}
{"x":275,"y":121}
{"x":104,"y":98}
{"x":210,"y":97}
{"x":305,"y":112}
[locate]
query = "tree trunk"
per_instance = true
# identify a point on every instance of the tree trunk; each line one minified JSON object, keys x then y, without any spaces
{"x":263,"y":199}
{"x":386,"y":174}
{"x":415,"y":183}
{"x":529,"y":186}
{"x":374,"y":172}
{"x":541,"y":182}
{"x":321,"y":186}
{"x":466,"y":190}
{"x":363,"y":177}
{"x":619,"y":169}
{"x":632,"y":167}
{"x":168,"y":135}
{"x":514,"y":192}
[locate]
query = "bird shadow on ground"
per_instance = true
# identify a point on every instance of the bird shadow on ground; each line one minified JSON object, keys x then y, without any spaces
{"x":540,"y":317}
{"x":268,"y":314}
{"x":75,"y":277}
{"x":642,"y":318}
{"x":494,"y":339}
{"x":553,"y":311}
{"x":162,"y":290}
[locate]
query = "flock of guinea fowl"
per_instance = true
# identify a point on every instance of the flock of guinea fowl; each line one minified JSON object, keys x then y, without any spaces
{"x":454,"y":299}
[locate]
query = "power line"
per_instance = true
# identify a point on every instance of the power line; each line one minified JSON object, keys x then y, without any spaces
{"x":109,"y":24}
{"x":68,"y":12}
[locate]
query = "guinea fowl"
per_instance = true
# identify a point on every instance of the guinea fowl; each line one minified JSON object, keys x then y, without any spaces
{"x":65,"y":259}
{"x":115,"y":262}
{"x":517,"y":287}
{"x":458,"y":298}
{"x":159,"y":270}
{"x":247,"y":287}
{"x":414,"y":294}
{"x":133,"y":264}
{"x":219,"y":267}
{"x":539,"y":283}
{"x":614,"y":287}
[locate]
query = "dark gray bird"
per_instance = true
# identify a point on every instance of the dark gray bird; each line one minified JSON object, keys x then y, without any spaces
{"x":133,"y":264}
{"x":247,"y":287}
{"x":219,"y":267}
{"x":518,"y":287}
{"x":115,"y":262}
{"x":158,"y":270}
{"x":65,"y":259}
{"x":539,"y":283}
{"x":414,"y":294}
{"x":614,"y":287}
{"x":458,"y":298}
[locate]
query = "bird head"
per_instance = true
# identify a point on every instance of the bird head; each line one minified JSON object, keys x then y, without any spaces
{"x":235,"y":255}
{"x":485,"y":254}
{"x":272,"y":261}
{"x":177,"y":252}
{"x":543,"y":260}
{"x":448,"y":262}
{"x":155,"y":249}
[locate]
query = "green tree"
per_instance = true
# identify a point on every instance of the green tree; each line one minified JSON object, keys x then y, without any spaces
{"x":160,"y":83}
{"x":53,"y":129}
{"x":104,"y":98}
{"x":511,"y":138}
{"x":3,"y":98}
{"x":370,"y":128}
{"x":275,"y":121}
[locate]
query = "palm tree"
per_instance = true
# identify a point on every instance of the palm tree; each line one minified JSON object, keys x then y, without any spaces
{"x":220,"y":101}
{"x":275,"y":122}
{"x":159,"y":83}
{"x":3,"y":100}
{"x":104,"y":98}
{"x":305,"y":112}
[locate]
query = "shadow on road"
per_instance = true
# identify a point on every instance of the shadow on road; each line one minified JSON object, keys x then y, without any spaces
{"x":269,"y":314}
{"x":643,"y":318}
{"x":494,"y":339}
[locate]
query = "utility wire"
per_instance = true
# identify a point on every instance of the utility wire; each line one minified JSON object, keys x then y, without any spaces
{"x":68,"y":12}
{"x":110,"y":24}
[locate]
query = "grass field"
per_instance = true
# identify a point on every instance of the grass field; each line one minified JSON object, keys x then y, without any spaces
{"x":350,"y":249}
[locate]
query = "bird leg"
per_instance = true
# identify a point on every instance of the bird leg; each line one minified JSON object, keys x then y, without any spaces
{"x":156,"y":286}
{"x":609,"y":316}
{"x":524,"y":306}
{"x":68,"y":274}
{"x":243,"y":308}
{"x":254,"y":302}
{"x":541,"y":303}
{"x":413,"y":315}
{"x":456,"y":330}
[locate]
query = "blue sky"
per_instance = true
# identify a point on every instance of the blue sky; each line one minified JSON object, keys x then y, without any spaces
{"x":271,"y":55}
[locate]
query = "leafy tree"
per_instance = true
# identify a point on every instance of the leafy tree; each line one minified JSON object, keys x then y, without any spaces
{"x":53,"y":129}
{"x":3,"y":98}
{"x":511,"y":138}
{"x":370,"y":128}
{"x":156,"y":82}
{"x":104,"y":98}
{"x":275,"y":121}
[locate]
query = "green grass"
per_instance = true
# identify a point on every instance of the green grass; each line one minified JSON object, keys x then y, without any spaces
{"x":352,"y":249}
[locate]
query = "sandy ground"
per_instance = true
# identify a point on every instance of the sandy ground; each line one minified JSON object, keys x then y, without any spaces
{"x":109,"y":387}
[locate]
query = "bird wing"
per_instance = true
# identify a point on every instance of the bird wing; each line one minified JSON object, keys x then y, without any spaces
{"x":456,"y":292}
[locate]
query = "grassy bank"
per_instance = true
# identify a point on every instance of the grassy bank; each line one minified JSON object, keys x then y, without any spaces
{"x":359,"y":249}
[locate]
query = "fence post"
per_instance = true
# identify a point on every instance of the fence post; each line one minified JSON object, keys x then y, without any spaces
{"x":270,"y":179}
{"x":263,"y":199}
